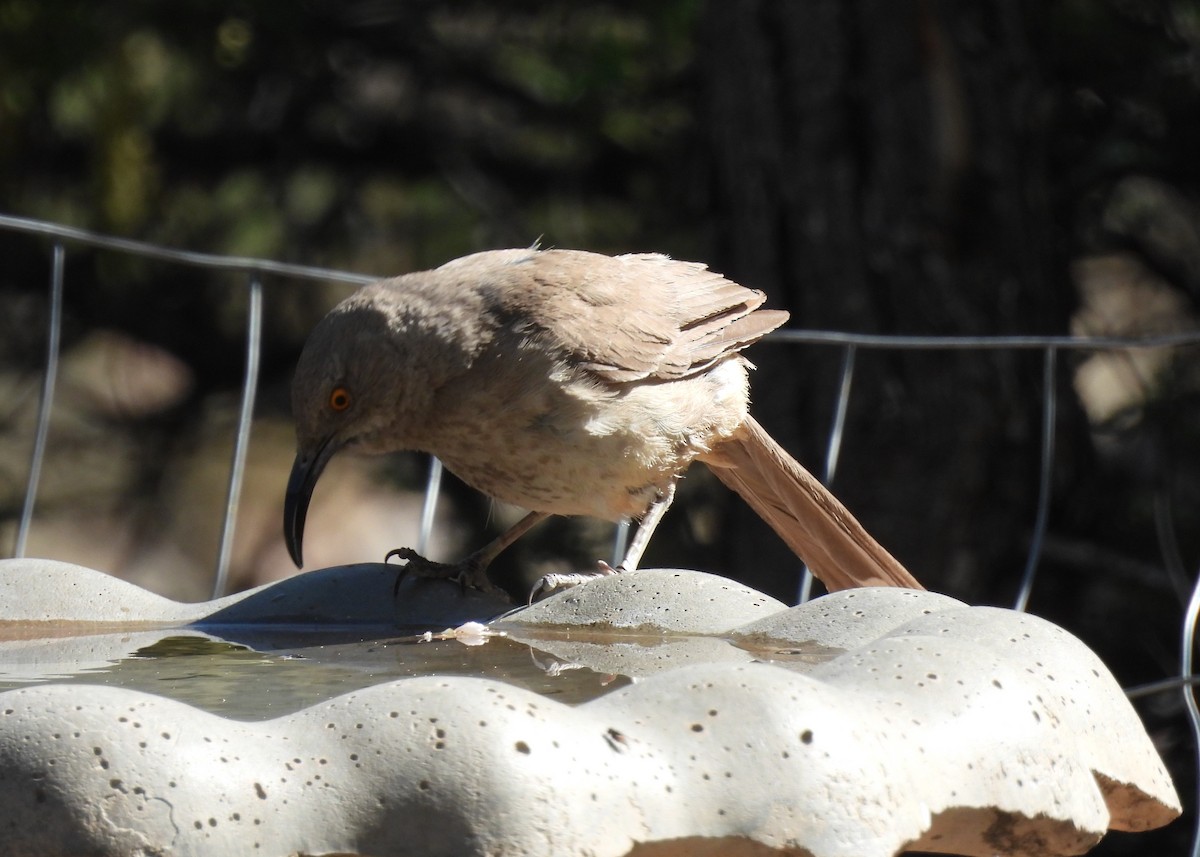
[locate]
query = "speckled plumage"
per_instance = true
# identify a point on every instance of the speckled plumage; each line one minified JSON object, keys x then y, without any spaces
{"x":561,"y":381}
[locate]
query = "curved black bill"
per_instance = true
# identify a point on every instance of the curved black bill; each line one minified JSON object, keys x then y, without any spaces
{"x":305,"y":471}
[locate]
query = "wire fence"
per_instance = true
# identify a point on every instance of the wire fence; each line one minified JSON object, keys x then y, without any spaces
{"x":850,"y":344}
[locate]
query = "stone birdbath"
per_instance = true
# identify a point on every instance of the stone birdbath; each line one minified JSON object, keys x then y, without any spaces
{"x":665,"y":712}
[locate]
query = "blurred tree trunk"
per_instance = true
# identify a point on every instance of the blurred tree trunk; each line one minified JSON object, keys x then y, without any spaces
{"x":880,"y":166}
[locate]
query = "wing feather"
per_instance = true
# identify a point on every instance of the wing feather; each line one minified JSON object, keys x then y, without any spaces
{"x":625,"y":318}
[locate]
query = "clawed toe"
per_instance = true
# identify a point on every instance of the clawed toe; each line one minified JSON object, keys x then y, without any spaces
{"x":412,"y":560}
{"x":466,"y":573}
{"x":551,"y":583}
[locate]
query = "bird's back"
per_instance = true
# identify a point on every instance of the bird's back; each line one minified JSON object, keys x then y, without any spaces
{"x":626,"y":318}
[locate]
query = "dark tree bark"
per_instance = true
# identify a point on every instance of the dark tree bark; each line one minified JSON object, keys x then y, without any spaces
{"x":881,"y":167}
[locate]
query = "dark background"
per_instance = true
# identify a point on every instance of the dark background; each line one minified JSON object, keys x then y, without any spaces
{"x":885,"y":167}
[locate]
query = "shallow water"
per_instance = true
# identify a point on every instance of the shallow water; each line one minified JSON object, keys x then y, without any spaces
{"x":256,"y":671}
{"x":263,"y":674}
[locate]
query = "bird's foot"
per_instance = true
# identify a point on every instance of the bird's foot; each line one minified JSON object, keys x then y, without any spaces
{"x":551,"y":583}
{"x":465,"y":573}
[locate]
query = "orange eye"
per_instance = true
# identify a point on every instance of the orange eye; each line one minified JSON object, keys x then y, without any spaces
{"x":339,"y":399}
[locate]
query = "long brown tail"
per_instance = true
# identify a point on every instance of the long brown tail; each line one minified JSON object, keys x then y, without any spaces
{"x":813,"y":522}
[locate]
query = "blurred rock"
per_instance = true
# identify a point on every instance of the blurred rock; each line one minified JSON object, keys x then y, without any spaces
{"x":1120,"y":296}
{"x":117,"y":376}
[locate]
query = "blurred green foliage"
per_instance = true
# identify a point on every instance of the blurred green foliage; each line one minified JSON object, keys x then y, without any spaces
{"x":372,"y":136}
{"x":367,"y":135}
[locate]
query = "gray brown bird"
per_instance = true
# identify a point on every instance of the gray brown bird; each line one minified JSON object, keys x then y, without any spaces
{"x":566,"y":383}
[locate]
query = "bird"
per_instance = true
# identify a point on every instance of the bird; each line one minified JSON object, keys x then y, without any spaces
{"x":565,"y":382}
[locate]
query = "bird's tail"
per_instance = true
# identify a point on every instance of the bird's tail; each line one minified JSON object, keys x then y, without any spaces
{"x":813,"y":523}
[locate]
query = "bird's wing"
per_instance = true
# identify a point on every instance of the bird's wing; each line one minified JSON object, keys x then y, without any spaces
{"x":632,"y":317}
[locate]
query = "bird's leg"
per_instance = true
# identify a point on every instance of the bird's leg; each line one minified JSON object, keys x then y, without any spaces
{"x":633,"y":554}
{"x":646,"y":527}
{"x":472,"y":569}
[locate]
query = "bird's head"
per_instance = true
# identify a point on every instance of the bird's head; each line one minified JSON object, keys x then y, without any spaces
{"x":344,"y":395}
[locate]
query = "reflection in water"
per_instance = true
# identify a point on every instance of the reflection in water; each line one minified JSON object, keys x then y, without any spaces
{"x":266,"y":673}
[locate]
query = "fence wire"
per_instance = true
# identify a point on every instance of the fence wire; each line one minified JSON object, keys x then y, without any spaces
{"x":849,"y":343}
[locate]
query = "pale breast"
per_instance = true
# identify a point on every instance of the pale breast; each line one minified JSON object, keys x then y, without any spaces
{"x":548,"y":438}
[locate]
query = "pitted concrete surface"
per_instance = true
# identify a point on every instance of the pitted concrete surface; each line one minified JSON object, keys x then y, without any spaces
{"x":863,"y":723}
